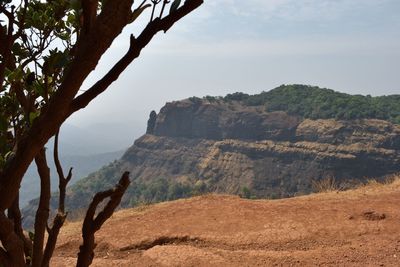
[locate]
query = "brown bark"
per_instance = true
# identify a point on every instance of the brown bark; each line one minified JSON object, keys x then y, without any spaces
{"x":4,"y":261}
{"x":42,"y":213}
{"x":13,"y":253}
{"x":14,"y":214}
{"x":63,"y":181}
{"x":109,"y":24}
{"x":60,"y":217}
{"x":136,"y":46}
{"x":58,"y":222}
{"x":89,"y":9}
{"x":92,"y":224}
{"x":115,"y":15}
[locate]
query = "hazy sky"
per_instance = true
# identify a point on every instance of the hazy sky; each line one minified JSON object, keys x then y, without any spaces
{"x":227,"y":46}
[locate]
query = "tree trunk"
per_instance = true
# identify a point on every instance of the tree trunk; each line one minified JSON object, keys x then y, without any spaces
{"x":13,"y":255}
{"x":14,"y":214}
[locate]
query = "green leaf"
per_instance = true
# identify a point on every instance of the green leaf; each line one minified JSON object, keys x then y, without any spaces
{"x":61,"y":60}
{"x":2,"y":162}
{"x":174,"y":6}
{"x":33,"y":116}
{"x":31,"y":236}
{"x":75,"y":4}
{"x":3,"y":124}
{"x":39,"y":88}
{"x":15,"y":75}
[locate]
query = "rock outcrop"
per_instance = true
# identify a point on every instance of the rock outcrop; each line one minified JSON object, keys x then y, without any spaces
{"x":197,"y":146}
{"x":220,"y":120}
{"x":263,"y":146}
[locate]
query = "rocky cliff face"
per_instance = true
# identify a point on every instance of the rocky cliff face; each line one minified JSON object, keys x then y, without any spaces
{"x":196,"y":146}
{"x":219,"y":120}
{"x":251,"y":145}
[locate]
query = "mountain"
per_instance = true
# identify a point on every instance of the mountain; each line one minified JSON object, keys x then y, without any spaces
{"x":275,"y":144}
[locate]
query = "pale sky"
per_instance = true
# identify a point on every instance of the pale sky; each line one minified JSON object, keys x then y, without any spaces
{"x":226,"y":46}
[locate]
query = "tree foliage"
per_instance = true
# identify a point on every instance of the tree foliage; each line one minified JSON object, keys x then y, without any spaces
{"x":47,"y":50}
{"x":317,"y":103}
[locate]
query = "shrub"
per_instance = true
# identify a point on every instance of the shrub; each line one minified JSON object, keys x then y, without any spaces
{"x":327,"y":184}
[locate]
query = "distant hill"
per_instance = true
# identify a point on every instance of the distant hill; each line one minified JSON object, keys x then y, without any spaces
{"x":271,"y":145}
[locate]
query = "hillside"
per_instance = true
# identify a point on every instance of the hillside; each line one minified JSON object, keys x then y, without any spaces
{"x":263,"y":149}
{"x":353,"y":228}
{"x":226,"y":145}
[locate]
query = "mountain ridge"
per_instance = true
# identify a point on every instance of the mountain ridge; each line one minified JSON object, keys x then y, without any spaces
{"x":221,"y":145}
{"x":225,"y":145}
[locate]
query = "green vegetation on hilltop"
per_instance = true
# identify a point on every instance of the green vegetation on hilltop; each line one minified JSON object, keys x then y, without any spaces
{"x":318,"y":103}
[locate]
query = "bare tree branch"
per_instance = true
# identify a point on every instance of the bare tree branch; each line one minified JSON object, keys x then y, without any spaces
{"x":92,"y":224}
{"x":58,"y":222}
{"x":136,"y":46}
{"x":42,"y":213}
{"x":59,"y":169}
{"x":63,"y":181}
{"x":60,"y":217}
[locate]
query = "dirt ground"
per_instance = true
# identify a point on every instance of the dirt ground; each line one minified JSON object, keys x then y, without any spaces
{"x":352,"y":228}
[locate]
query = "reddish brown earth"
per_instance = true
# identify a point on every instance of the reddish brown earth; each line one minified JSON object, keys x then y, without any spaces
{"x":352,"y":228}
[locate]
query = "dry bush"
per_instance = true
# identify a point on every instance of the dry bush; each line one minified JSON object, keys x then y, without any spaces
{"x":373,"y":182}
{"x":388,"y":180}
{"x":327,"y":184}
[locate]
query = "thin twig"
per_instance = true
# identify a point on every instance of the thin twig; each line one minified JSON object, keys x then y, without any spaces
{"x":163,"y":7}
{"x":155,"y":3}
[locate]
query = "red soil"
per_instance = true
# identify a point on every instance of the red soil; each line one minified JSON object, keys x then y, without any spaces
{"x":353,"y":228}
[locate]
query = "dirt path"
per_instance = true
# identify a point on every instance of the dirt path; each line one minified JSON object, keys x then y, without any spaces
{"x":353,"y":228}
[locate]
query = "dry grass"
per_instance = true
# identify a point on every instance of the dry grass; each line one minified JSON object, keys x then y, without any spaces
{"x":329,"y":184}
{"x":325,"y":185}
{"x":390,"y":180}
